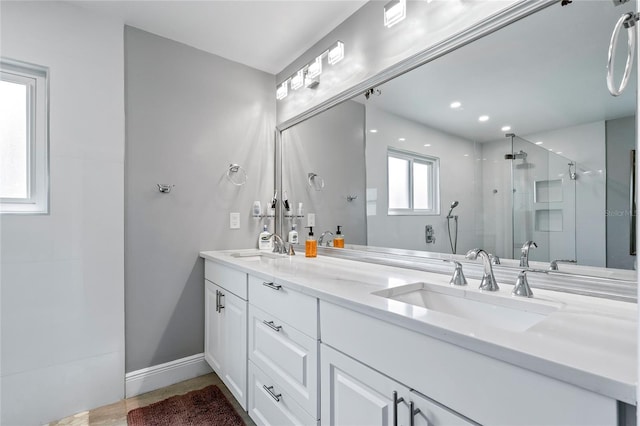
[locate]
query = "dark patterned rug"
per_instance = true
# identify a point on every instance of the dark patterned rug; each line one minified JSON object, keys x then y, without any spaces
{"x":206,"y":406}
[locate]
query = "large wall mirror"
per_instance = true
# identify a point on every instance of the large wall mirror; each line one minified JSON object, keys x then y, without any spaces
{"x":511,"y":138}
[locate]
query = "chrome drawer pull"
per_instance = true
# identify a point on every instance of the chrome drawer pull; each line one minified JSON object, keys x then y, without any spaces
{"x":273,"y":286}
{"x":271,"y":325}
{"x":412,"y":412}
{"x":396,"y":401}
{"x":220,"y":305}
{"x":269,"y":389}
{"x":217,"y":301}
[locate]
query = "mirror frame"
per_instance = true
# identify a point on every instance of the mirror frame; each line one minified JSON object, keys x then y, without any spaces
{"x":483,"y":28}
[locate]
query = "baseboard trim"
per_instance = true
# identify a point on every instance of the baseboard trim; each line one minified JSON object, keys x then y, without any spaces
{"x":161,"y":375}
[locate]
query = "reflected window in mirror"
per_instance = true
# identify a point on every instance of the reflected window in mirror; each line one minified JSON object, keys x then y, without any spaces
{"x":412,"y":182}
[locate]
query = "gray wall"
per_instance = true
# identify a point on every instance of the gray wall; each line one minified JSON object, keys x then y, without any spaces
{"x":330,"y":144}
{"x":621,"y":138}
{"x":189,"y":114}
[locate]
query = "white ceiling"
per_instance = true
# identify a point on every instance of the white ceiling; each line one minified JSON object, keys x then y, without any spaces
{"x":263,"y":34}
{"x":546,"y":71}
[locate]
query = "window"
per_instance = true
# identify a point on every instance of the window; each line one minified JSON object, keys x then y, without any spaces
{"x":24,"y":138}
{"x":413,"y":183}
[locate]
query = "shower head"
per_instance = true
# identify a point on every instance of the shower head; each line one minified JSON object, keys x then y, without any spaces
{"x":520,"y":155}
{"x":453,"y":206}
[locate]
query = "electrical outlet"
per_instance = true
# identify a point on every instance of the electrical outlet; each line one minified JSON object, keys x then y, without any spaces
{"x":234,"y":220}
{"x":311,"y":219}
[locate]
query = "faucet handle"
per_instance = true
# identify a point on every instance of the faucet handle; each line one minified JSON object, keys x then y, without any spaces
{"x":494,"y":259}
{"x":553,"y":266}
{"x":522,"y":287}
{"x":458,"y":277}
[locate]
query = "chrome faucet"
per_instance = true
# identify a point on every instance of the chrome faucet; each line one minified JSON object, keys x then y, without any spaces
{"x":458,"y":276}
{"x":279,"y":246}
{"x":553,"y":266}
{"x":524,"y":253}
{"x":488,"y":282}
{"x":321,"y":239}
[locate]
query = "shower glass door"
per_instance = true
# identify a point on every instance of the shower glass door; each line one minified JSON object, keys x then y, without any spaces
{"x":543,"y":202}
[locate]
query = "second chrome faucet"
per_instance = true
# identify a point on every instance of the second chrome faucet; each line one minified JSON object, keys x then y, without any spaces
{"x":488,"y":282}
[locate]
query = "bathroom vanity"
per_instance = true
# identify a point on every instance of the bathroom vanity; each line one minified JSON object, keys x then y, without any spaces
{"x":333,"y":341}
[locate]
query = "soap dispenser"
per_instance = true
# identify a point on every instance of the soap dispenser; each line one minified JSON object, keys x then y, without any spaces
{"x":338,"y":239}
{"x":311,"y":245}
{"x":293,"y":235}
{"x":264,"y":240}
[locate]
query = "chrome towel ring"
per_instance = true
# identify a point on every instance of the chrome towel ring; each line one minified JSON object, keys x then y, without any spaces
{"x":628,"y":20}
{"x":315,"y":181}
{"x":236,"y":174}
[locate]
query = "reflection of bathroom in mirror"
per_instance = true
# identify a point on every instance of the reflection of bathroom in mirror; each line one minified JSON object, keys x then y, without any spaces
{"x":550,"y":164}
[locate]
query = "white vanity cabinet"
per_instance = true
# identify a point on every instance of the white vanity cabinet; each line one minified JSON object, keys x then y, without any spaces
{"x":283,"y":355}
{"x":354,"y":394}
{"x":477,"y":387}
{"x":225,"y":341}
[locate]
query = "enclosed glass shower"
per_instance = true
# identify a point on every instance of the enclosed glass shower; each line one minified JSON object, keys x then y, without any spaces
{"x":529,"y":195}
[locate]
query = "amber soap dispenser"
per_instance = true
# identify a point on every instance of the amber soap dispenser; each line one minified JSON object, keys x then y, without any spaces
{"x":311,"y":245}
{"x":338,"y":240}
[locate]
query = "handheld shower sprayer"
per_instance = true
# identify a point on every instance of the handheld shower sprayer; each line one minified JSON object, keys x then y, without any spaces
{"x":453,"y":241}
{"x":453,"y":206}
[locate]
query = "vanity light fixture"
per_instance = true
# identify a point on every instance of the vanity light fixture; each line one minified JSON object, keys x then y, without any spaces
{"x":394,"y":12}
{"x":309,"y":75}
{"x":336,"y":53}
{"x":282,"y":91}
{"x":298,"y":80}
{"x":315,"y":68}
{"x":505,"y":128}
{"x":483,"y":118}
{"x":455,"y":105}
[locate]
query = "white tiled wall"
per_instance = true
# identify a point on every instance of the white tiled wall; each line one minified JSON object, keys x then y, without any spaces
{"x":62,"y":274}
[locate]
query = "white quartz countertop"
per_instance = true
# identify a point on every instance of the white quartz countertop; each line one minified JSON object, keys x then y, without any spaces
{"x":586,"y":341}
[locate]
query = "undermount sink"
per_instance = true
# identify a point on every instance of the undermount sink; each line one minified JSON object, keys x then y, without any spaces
{"x":508,"y":313}
{"x":256,"y":255}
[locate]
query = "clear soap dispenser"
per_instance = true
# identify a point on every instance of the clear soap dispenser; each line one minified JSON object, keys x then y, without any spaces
{"x":338,"y":239}
{"x":311,"y":245}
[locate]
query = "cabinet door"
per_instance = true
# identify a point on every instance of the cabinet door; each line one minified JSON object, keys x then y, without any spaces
{"x":213,"y":328}
{"x":354,"y":394}
{"x":234,"y":313}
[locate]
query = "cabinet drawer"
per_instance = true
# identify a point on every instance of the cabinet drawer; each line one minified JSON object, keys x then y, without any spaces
{"x":227,"y":278}
{"x":270,"y":405}
{"x":287,"y":355}
{"x":289,"y":305}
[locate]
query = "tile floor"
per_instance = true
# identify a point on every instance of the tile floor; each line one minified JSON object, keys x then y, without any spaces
{"x":116,"y":414}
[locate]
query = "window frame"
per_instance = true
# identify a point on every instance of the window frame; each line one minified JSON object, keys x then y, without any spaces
{"x":36,"y":78}
{"x":434,"y":185}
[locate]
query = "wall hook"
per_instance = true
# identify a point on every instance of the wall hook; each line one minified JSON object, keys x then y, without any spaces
{"x":351,"y":197}
{"x":165,"y":188}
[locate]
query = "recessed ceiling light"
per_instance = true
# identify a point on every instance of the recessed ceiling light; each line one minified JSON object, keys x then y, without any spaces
{"x":483,"y":118}
{"x":559,"y":152}
{"x":336,"y":53}
{"x":374,"y":130}
{"x":455,"y":105}
{"x":394,"y":12}
{"x":550,"y":149}
{"x":427,"y":144}
{"x":466,"y":155}
{"x":401,"y":139}
{"x":539,"y":143}
{"x":506,"y":128}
